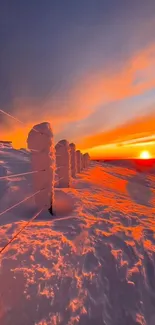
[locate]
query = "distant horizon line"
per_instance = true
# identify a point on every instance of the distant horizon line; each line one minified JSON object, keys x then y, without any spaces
{"x":121,"y":158}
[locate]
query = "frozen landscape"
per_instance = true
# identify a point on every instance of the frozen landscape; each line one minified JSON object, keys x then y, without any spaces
{"x":94,"y":263}
{"x":77,"y":162}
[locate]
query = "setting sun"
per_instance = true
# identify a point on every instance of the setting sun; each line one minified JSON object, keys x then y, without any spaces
{"x":145,"y":155}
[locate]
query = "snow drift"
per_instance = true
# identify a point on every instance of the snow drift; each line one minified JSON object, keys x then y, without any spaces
{"x":4,"y":182}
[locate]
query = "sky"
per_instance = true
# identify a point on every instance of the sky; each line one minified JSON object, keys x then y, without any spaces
{"x":86,"y":66}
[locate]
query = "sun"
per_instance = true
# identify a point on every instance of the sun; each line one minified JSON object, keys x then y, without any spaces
{"x":145,"y":155}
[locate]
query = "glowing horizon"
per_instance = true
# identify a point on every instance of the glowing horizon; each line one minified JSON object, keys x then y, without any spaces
{"x":145,"y":155}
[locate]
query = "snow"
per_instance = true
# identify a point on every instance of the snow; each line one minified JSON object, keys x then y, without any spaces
{"x":93,"y":264}
{"x":4,"y":182}
{"x":40,"y":142}
{"x":6,"y":144}
{"x":63,"y":163}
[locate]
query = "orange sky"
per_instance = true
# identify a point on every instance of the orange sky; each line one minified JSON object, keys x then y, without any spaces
{"x":93,"y":98}
{"x":88,"y":69}
{"x":118,"y":141}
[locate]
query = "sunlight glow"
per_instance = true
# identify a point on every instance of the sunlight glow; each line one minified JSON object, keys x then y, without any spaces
{"x":145,"y":155}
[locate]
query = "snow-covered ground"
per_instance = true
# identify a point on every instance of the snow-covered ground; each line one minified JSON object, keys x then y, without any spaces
{"x":93,"y":264}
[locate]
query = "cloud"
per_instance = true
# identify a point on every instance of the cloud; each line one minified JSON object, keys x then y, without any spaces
{"x":107,"y":86}
{"x":134,"y":129}
{"x":136,"y":78}
{"x":83,"y":98}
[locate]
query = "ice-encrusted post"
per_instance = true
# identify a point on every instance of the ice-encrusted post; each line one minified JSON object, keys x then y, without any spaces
{"x":78,"y":161}
{"x":40,"y":143}
{"x":86,"y":159}
{"x":82,"y":165}
{"x":63,"y":163}
{"x":73,"y":159}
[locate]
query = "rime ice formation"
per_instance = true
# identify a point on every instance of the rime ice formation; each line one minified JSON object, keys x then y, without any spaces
{"x":78,"y":161}
{"x":73,"y":159}
{"x":40,"y":142}
{"x":63,"y":163}
{"x":86,"y":159}
{"x":82,"y":162}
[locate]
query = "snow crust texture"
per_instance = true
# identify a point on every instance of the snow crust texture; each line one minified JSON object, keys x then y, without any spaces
{"x":96,"y":265}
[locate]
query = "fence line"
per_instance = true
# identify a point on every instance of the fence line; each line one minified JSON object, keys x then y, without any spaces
{"x":40,"y":151}
{"x":16,"y":175}
{"x":19,"y":121}
{"x":56,"y":181}
{"x":18,"y":232}
{"x":17,"y":204}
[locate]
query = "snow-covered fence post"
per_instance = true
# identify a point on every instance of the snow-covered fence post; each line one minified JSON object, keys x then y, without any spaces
{"x":78,"y":161}
{"x":40,"y":143}
{"x":73,"y":159}
{"x":85,"y":160}
{"x":63,"y":163}
{"x":82,"y":162}
{"x":88,"y":160}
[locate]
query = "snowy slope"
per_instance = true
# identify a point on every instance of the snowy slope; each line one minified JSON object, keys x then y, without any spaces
{"x":93,"y":266}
